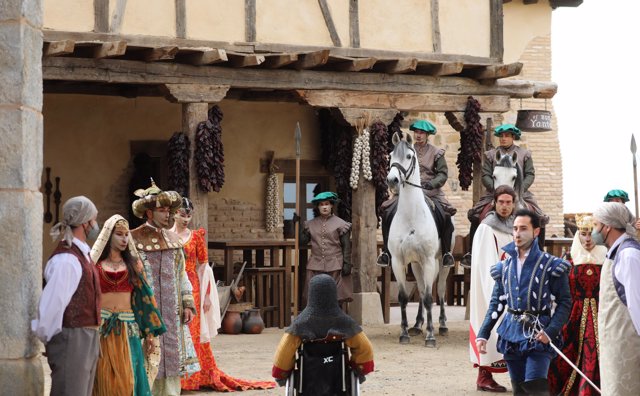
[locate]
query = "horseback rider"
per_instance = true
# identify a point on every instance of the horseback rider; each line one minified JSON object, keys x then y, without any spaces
{"x":433,"y":175}
{"x":506,"y":134}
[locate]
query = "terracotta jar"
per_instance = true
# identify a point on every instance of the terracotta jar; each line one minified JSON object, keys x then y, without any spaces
{"x":252,"y":322}
{"x":232,"y":323}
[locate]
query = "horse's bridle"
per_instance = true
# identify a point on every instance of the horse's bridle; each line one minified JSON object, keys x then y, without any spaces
{"x":406,"y":173}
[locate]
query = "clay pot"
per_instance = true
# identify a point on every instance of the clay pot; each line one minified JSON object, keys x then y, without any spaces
{"x":252,"y":322}
{"x":232,"y":323}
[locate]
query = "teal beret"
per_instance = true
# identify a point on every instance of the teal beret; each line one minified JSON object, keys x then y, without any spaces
{"x":507,"y":128}
{"x":616,"y":194}
{"x":325,"y":196}
{"x":423,"y":126}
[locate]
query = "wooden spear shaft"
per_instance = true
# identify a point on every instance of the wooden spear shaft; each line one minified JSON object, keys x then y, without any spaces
{"x":296,"y":261}
{"x":635,"y":172}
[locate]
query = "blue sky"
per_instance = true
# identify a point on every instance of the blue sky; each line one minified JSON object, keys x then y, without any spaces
{"x":598,"y":99}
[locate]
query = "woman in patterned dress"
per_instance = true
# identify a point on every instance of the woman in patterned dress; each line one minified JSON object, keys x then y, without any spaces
{"x":580,"y":334}
{"x":201,"y":277}
{"x":129,"y":313}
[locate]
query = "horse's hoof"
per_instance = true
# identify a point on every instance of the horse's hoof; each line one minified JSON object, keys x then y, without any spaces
{"x":405,"y":339}
{"x":430,"y":343}
{"x":443,"y":331}
{"x":415,"y":331}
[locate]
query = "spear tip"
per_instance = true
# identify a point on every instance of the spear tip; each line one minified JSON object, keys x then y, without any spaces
{"x":633,"y":144}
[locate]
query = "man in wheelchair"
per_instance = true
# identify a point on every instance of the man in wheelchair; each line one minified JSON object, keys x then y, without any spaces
{"x":324,"y":352}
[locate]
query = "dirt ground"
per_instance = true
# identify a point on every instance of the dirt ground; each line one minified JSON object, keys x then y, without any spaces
{"x":399,"y":369}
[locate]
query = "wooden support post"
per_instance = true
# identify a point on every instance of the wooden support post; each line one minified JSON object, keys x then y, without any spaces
{"x":496,"y":50}
{"x":328,"y":20}
{"x":192,"y":115}
{"x":363,"y":236}
{"x":435,"y":26}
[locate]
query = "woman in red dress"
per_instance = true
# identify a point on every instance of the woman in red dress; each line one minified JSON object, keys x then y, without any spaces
{"x":580,"y":334}
{"x":197,"y":267}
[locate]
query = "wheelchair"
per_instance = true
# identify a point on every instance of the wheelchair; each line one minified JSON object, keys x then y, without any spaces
{"x":322,"y":369}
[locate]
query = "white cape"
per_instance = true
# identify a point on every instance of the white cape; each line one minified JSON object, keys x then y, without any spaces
{"x":209,"y":321}
{"x":485,"y":252}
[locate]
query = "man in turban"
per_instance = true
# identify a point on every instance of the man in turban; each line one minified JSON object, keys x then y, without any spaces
{"x":69,"y":308}
{"x":163,"y":258}
{"x":619,"y":315}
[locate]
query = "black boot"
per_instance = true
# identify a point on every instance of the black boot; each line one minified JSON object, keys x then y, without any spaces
{"x":536,"y":387}
{"x":517,"y":388}
{"x":384,"y":259}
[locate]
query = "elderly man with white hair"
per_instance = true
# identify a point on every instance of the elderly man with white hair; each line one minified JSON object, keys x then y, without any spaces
{"x":619,"y":316}
{"x":69,"y":309}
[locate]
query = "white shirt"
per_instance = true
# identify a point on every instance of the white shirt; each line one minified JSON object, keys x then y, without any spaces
{"x":520,"y":262}
{"x":627,"y":272}
{"x":62,"y":273}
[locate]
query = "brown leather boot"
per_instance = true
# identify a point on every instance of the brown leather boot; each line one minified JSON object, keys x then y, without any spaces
{"x":486,"y":382}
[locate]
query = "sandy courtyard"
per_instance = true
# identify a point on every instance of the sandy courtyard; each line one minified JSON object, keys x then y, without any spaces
{"x":400,"y":369}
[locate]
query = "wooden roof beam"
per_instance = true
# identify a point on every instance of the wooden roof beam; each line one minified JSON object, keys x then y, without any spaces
{"x":279,"y":60}
{"x":58,"y":48}
{"x":159,"y":53}
{"x":135,"y":72}
{"x":194,"y":93}
{"x":401,"y":101}
{"x":312,"y":59}
{"x":201,"y":56}
{"x":110,"y":49}
{"x":244,"y":60}
{"x":351,"y":64}
{"x":441,"y":69}
{"x":495,"y":71}
{"x":396,"y":66}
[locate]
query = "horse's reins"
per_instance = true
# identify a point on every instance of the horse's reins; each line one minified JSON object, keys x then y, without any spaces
{"x":406,"y":173}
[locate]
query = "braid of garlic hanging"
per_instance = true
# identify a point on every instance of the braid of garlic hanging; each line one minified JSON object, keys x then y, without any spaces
{"x":355,"y":162}
{"x":366,"y":155}
{"x":272,"y":208}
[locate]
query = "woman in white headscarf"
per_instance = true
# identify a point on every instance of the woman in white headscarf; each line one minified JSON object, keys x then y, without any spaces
{"x":129,"y":313}
{"x":580,"y":334}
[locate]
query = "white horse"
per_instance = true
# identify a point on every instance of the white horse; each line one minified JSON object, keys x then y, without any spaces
{"x":413,"y":239}
{"x":507,"y":172}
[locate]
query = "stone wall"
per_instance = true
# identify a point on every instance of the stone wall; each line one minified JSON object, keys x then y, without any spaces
{"x":20,"y":201}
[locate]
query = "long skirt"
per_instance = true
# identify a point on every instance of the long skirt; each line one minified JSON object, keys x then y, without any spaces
{"x":120,"y":368}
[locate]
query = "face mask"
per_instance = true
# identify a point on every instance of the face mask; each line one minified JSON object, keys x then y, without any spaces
{"x":93,"y":233}
{"x":598,"y":238}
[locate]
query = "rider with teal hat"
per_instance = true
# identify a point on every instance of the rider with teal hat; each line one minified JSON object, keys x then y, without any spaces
{"x":433,"y":176}
{"x":507,"y":134}
{"x":617,"y":196}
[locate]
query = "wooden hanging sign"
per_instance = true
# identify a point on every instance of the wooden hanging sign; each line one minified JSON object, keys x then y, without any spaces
{"x":534,"y":120}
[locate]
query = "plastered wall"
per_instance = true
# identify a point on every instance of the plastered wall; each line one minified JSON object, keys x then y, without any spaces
{"x":87,"y":144}
{"x":400,"y":25}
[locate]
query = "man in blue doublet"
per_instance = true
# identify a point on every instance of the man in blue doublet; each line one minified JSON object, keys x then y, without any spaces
{"x":531,"y":286}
